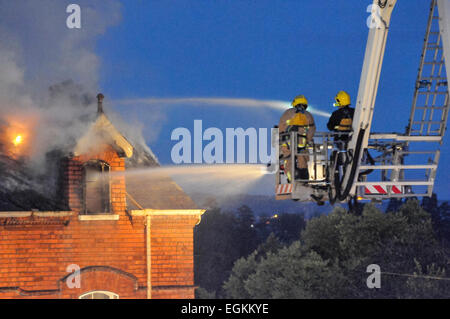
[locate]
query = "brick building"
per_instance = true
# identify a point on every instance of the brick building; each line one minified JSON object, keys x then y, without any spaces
{"x":119,"y":237}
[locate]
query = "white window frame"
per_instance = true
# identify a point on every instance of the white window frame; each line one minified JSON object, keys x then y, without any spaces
{"x":106,"y":200}
{"x":110,"y":294}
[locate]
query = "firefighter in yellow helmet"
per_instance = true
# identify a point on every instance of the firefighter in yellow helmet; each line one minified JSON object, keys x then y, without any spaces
{"x":342,"y":119}
{"x":299,"y":120}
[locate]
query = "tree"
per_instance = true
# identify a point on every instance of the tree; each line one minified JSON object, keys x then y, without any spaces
{"x":271,"y":245}
{"x":334,"y":252}
{"x":287,"y":227}
{"x":394,"y":205}
{"x":219,"y":240}
{"x":440,"y":216}
{"x":288,"y":273}
{"x":444,"y":224}
{"x":246,"y":237}
{"x":235,"y":285}
{"x":215,"y":249}
{"x":425,"y":284}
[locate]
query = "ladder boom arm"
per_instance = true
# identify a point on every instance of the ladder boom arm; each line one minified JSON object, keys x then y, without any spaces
{"x":444,"y":28}
{"x":368,"y":87}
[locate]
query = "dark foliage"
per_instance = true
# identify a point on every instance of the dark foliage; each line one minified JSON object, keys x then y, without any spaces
{"x":331,"y":259}
{"x":224,"y":237}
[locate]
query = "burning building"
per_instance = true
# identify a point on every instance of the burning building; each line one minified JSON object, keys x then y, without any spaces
{"x":102,"y":234}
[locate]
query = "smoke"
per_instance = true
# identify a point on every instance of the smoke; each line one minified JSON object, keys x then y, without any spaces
{"x":220,"y":101}
{"x":48,"y":52}
{"x":37,"y":50}
{"x":134,"y":127}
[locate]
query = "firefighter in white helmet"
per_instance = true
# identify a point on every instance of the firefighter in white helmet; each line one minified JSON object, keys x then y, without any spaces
{"x":296,"y":119}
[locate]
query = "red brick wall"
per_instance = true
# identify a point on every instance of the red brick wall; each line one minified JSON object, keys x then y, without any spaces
{"x":105,"y":279}
{"x":74,"y":179}
{"x":111,"y":253}
{"x":173,"y":293}
{"x":36,"y":257}
{"x":172,"y":250}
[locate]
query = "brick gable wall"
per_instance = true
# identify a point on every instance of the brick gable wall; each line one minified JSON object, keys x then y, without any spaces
{"x":35,"y":250}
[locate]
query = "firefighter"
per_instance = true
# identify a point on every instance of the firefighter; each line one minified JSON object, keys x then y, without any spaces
{"x":342,"y":119}
{"x":296,"y":119}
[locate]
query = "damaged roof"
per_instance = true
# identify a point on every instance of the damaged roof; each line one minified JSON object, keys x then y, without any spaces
{"x":103,"y":130}
{"x":20,"y":189}
{"x":144,"y":191}
{"x":157,"y":193}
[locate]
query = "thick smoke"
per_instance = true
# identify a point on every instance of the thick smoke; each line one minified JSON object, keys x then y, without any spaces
{"x":49,"y":73}
{"x":49,"y":77}
{"x":49,"y":52}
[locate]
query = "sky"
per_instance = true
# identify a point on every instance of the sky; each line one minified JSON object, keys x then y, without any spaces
{"x":259,"y":49}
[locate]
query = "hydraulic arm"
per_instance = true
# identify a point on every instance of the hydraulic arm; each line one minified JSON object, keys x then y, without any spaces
{"x":368,"y":87}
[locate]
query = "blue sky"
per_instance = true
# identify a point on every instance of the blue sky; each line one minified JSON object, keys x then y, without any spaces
{"x":265,"y":49}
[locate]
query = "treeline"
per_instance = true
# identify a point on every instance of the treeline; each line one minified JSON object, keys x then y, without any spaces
{"x":223,"y":237}
{"x":283,"y":256}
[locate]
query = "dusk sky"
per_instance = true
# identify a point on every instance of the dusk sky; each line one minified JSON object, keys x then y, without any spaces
{"x":256,"y":49}
{"x":264,"y":50}
{"x":137,"y":158}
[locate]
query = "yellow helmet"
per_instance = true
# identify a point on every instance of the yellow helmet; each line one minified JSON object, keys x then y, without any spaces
{"x":299,"y":99}
{"x":342,"y":99}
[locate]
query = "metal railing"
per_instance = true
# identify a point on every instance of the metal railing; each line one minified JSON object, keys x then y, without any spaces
{"x":318,"y":151}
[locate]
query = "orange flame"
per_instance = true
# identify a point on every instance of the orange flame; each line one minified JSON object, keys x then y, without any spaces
{"x":18,"y":140}
{"x":15,"y":135}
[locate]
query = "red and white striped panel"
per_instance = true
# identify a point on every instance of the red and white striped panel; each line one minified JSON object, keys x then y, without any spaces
{"x":382,"y":190}
{"x":284,"y":189}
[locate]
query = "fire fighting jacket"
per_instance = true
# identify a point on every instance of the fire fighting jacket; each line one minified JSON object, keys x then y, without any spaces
{"x":303,"y":122}
{"x":341,"y":120}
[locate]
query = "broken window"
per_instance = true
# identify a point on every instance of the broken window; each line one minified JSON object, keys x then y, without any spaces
{"x":96,"y":188}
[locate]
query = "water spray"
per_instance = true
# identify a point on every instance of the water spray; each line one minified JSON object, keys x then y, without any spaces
{"x":220,"y":101}
{"x":219,"y":180}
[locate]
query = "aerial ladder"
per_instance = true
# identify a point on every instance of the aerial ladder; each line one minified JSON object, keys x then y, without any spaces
{"x":378,"y":166}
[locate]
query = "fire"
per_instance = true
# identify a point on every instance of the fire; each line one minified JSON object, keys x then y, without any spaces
{"x":18,"y":140}
{"x":16,"y":135}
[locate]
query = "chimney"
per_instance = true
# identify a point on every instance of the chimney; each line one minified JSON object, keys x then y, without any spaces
{"x":100,"y":98}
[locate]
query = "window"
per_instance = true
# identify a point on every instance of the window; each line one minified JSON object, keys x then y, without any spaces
{"x":99,"y":295}
{"x":96,"y":188}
